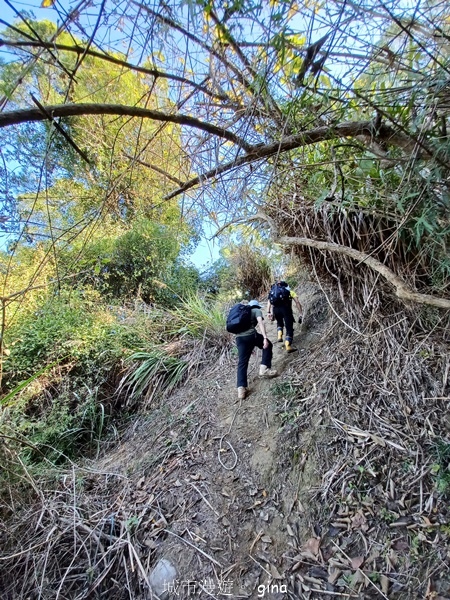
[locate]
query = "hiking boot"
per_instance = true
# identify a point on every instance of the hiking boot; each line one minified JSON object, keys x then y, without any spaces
{"x":280,"y":335}
{"x":264,"y":371}
{"x":242,"y":392}
{"x":289,"y":348}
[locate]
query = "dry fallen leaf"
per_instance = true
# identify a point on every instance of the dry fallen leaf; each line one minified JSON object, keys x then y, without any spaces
{"x":384,"y":584}
{"x":274,"y":572}
{"x":359,"y":521}
{"x":357,"y":578}
{"x":357,"y":561}
{"x":312,"y":545}
{"x":257,"y":503}
{"x":334,"y":575}
{"x":401,"y":545}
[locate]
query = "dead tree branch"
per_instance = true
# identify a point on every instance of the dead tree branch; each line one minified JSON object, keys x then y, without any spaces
{"x":319,"y":134}
{"x":402,"y":290}
{"x":82,"y":50}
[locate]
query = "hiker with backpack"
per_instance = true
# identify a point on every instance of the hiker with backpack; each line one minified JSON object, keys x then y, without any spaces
{"x":279,"y":306}
{"x":242,"y":320}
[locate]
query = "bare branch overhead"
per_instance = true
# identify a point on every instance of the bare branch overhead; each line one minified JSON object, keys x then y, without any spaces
{"x":254,"y":153}
{"x":304,"y":106}
{"x":77,"y":110}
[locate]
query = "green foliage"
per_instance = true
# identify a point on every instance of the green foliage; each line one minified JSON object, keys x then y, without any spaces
{"x":74,"y":346}
{"x":213,"y":278}
{"x":284,"y":390}
{"x":71,"y":326}
{"x":104,"y":223}
{"x":58,"y":430}
{"x":145,"y":262}
{"x":152,"y":373}
{"x":441,"y":468}
{"x":202,"y":318}
{"x":23,"y":384}
{"x":68,"y":345}
{"x":285,"y":395}
{"x":182,"y":280}
{"x":135,"y":262}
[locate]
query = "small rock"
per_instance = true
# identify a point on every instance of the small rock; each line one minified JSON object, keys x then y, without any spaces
{"x":161,"y":577}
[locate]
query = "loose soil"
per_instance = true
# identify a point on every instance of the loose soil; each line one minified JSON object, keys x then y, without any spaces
{"x":222,"y":493}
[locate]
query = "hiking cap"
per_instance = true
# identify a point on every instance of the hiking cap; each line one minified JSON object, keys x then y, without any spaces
{"x":254,"y":303}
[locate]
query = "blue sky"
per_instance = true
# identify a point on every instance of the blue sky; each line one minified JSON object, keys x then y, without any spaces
{"x":206,"y":251}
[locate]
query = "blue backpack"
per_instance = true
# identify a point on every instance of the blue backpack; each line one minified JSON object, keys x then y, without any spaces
{"x":239,"y":318}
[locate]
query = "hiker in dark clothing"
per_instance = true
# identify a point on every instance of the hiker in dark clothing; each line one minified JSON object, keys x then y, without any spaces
{"x":279,"y":305}
{"x":246,"y":342}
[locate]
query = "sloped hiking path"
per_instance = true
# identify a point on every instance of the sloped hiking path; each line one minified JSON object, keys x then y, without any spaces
{"x":240,"y":505}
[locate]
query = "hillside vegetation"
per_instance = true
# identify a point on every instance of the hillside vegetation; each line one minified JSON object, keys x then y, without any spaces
{"x":331,"y":477}
{"x":308,"y":141}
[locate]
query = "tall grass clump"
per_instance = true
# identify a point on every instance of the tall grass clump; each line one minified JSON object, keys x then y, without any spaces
{"x":151,"y":373}
{"x":201,"y":318}
{"x":250,"y":271}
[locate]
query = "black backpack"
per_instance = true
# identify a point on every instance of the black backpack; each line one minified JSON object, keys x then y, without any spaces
{"x":279,"y":295}
{"x":239,"y":318}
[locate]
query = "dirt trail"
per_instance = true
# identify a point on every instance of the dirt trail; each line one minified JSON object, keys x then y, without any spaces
{"x":296,"y":492}
{"x":252,"y":423}
{"x":221,"y":484}
{"x":239,"y":507}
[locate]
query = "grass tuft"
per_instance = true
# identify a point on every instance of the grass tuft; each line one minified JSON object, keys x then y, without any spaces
{"x":201,"y":319}
{"x":151,"y":373}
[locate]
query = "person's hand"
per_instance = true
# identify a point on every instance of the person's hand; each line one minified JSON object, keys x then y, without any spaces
{"x":270,"y":316}
{"x":265,"y":343}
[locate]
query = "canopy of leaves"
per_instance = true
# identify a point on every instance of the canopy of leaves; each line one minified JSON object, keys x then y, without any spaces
{"x":326,"y":103}
{"x":84,"y":197}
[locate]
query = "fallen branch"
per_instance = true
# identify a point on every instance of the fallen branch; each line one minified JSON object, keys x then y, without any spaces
{"x":402,"y":290}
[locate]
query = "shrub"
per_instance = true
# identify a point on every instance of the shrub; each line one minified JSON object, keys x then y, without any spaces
{"x":58,"y":430}
{"x":66,"y":327}
{"x":202,"y":318}
{"x":249,"y":274}
{"x":151,"y":373}
{"x":143,"y":261}
{"x":66,"y":356}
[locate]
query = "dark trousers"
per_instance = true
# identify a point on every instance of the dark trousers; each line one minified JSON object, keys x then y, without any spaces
{"x":285,"y":318}
{"x":245,"y":345}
